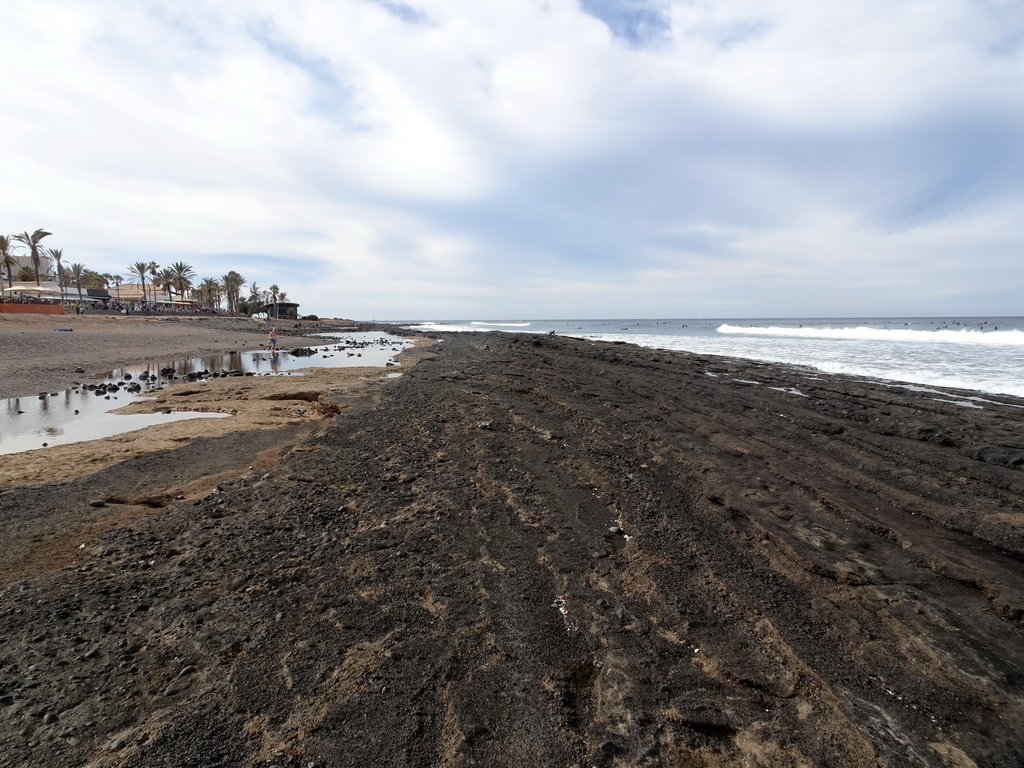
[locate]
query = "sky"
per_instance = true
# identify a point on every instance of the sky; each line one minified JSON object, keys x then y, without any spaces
{"x":508,"y":159}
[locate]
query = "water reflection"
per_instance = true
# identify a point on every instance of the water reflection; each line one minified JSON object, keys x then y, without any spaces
{"x":354,"y":349}
{"x":83,"y":413}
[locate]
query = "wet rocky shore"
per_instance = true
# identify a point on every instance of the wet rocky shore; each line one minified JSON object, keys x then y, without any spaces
{"x":541,"y":551}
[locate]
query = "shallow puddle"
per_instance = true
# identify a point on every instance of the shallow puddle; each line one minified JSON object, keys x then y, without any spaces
{"x":82,"y":412}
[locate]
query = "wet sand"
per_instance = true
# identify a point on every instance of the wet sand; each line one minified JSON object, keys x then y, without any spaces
{"x":535,"y":551}
{"x":38,"y":356}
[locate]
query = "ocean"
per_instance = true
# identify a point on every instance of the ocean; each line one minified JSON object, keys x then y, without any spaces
{"x":984,"y":354}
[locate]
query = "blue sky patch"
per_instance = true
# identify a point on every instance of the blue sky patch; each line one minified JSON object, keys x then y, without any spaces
{"x":634,"y":21}
{"x":406,"y":13}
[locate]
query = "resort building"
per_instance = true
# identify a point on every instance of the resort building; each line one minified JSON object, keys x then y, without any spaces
{"x":47,"y":266}
{"x":48,"y":288}
{"x":282,"y":309}
{"x":131,"y":293}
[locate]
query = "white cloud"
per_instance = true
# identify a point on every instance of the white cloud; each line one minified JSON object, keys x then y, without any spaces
{"x":522,"y":154}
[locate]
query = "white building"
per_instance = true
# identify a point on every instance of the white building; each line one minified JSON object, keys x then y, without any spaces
{"x":47,"y":266}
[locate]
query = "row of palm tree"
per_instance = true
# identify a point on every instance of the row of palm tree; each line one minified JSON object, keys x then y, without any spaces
{"x":81,"y":275}
{"x":179,"y":279}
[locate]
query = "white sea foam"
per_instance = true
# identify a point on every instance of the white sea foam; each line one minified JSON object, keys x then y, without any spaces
{"x":972,"y":356}
{"x":473,"y":325}
{"x":431,"y":326}
{"x":969,"y":367}
{"x":864,"y":333}
{"x":962,"y":399}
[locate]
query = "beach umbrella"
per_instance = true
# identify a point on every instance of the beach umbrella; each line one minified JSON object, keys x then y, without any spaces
{"x":32,"y":289}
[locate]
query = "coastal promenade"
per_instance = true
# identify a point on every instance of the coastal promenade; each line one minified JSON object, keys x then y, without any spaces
{"x":535,"y":550}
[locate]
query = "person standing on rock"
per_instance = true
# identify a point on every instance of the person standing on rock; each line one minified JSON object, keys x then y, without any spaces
{"x":273,"y":341}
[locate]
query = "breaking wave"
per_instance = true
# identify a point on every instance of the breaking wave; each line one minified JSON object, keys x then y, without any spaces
{"x":863,"y":333}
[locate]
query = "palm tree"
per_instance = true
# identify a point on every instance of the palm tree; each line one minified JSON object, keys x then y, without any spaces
{"x":232,"y":283}
{"x":282,"y":297}
{"x":78,"y":274}
{"x":57,"y":254}
{"x":251,"y":305}
{"x":7,"y":260}
{"x":209,"y":292}
{"x":140,"y":269}
{"x":274,"y":290}
{"x":32,"y":241}
{"x":117,"y":280}
{"x":153,"y":268}
{"x":165,"y":281}
{"x":183,"y":274}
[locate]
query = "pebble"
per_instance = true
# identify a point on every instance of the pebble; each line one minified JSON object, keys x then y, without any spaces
{"x":97,"y":503}
{"x":176,"y":687}
{"x":49,"y":718}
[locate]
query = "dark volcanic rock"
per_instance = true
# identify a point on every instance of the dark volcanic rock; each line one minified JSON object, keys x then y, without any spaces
{"x":633,"y":564}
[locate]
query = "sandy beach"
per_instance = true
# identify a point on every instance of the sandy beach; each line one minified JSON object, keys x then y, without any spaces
{"x":524,"y":551}
{"x":39,"y":356}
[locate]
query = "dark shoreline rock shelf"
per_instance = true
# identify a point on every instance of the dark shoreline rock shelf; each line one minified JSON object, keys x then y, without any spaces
{"x":543,"y":551}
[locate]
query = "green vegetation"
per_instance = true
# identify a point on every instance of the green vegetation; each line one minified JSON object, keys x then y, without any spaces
{"x":179,"y":280}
